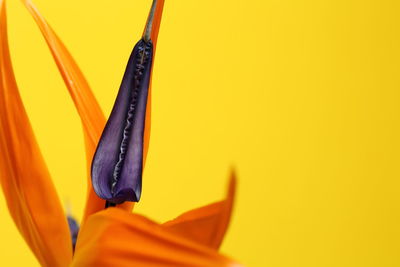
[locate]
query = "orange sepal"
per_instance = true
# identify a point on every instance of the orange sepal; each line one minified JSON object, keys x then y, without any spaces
{"x":206,"y":225}
{"x":92,"y":118}
{"x":29,"y":192}
{"x":114,"y":237}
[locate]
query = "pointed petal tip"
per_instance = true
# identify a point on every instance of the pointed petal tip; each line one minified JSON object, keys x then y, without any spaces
{"x":153,"y":21}
{"x":207,"y":225}
{"x":149,"y":25}
{"x":232,"y":180}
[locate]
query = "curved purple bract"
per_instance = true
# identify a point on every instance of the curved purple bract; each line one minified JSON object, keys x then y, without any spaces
{"x":117,"y":163}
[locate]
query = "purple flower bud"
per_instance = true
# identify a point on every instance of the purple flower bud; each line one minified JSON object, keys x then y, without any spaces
{"x":117,"y":163}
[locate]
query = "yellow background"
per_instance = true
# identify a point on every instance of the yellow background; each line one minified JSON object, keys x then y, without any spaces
{"x":301,"y":96}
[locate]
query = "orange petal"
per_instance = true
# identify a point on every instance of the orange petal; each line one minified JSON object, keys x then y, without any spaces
{"x":92,"y":118}
{"x":25,"y":180}
{"x":206,"y":225}
{"x":114,"y":237}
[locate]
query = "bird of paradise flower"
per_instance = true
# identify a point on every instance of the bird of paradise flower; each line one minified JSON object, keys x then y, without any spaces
{"x":109,"y":236}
